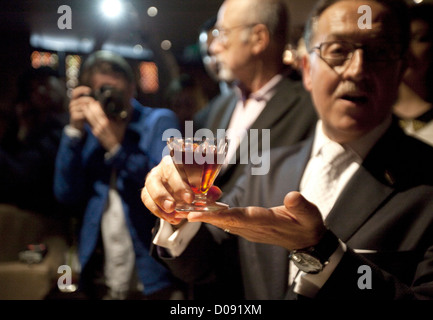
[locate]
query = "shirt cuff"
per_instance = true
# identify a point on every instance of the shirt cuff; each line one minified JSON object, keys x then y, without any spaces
{"x":175,"y":241}
{"x":309,"y":285}
{"x":112,"y":152}
{"x":72,"y":132}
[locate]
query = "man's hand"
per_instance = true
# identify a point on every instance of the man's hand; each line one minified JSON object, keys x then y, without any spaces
{"x":164,"y":187}
{"x":110,"y":133}
{"x":297,"y":224}
{"x":84,"y":108}
{"x":79,"y":100}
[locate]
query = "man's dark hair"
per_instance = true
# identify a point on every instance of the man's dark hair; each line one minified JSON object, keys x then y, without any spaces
{"x":105,"y":62}
{"x":398,"y":12}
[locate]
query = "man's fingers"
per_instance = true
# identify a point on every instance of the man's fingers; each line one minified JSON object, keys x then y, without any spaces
{"x":156,"y":210}
{"x":214,"y":193}
{"x":223,"y":218}
{"x":306,"y":213}
{"x":150,"y":204}
{"x":174,"y":181}
{"x":157,"y":196}
{"x":80,"y":91}
{"x":79,"y":104}
{"x":165,"y":186}
{"x":296,"y":203}
{"x":95,"y":115}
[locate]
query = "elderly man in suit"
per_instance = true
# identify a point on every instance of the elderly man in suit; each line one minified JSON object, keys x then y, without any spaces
{"x":249,"y":41}
{"x":367,"y":231}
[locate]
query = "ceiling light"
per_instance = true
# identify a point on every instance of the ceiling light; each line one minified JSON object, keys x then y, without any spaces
{"x":166,"y":45}
{"x":152,"y":11}
{"x":111,"y":8}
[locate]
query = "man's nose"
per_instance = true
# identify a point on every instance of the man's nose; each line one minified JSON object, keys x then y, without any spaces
{"x":215,"y":46}
{"x":356,"y":67}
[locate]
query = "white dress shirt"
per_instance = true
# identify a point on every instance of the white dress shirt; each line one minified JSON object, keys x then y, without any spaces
{"x":119,"y":255}
{"x":309,"y":284}
{"x":247,"y":111}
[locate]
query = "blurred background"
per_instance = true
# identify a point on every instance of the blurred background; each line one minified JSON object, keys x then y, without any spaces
{"x":159,"y":38}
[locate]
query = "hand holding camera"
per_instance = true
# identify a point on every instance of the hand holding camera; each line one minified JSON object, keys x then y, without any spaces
{"x":112,"y":101}
{"x":104,"y":110}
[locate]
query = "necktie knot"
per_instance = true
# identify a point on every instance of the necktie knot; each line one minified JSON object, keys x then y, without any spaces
{"x":333,"y":153}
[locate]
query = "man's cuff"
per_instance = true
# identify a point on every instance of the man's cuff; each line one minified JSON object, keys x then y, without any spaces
{"x":112,"y":152}
{"x":309,"y":285}
{"x":72,"y":132}
{"x":175,"y":241}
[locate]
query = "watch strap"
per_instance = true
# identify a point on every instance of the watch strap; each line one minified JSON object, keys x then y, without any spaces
{"x":326,"y":246}
{"x":323,"y":250}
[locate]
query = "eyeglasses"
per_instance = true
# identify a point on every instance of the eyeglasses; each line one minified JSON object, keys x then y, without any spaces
{"x":221,"y":34}
{"x":338,"y":53}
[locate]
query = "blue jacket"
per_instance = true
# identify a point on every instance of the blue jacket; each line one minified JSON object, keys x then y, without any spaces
{"x":82,"y":176}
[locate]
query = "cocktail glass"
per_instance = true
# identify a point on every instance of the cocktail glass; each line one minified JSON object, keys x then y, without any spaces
{"x":200,"y":161}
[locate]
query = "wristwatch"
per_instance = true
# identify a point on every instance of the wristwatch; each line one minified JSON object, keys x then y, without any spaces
{"x":313,"y":259}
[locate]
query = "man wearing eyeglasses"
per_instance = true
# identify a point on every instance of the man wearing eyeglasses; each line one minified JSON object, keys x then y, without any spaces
{"x":357,"y":214}
{"x":249,"y":39}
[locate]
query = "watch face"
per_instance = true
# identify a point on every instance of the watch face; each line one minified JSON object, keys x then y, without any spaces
{"x":306,"y":262}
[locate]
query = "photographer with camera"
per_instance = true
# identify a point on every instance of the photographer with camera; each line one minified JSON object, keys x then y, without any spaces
{"x":106,"y":150}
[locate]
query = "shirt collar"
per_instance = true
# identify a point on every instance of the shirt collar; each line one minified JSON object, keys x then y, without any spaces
{"x":361,"y":147}
{"x":265,"y":93}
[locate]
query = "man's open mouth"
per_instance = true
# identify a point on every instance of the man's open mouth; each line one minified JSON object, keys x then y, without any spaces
{"x":359,"y":99}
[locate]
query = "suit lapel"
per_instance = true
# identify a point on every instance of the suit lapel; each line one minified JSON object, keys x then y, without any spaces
{"x":277,"y":106}
{"x":274,"y":110}
{"x":300,"y":161}
{"x":351,"y":211}
{"x":372,"y":184}
{"x":220,"y":117}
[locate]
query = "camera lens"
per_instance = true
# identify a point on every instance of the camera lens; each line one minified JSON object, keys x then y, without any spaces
{"x":112,"y":101}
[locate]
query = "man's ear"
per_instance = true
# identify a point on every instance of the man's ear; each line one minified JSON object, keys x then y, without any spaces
{"x":306,"y":72}
{"x":260,"y":38}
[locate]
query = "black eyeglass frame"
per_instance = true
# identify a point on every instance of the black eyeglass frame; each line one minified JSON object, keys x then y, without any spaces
{"x":369,"y":54}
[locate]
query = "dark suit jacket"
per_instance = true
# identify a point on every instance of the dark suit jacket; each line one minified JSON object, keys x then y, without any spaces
{"x":386,"y":210}
{"x":290,"y":116}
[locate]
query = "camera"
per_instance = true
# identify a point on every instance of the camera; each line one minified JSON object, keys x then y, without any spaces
{"x":112,"y":101}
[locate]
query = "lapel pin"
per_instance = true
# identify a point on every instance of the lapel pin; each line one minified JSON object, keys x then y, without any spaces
{"x":389,"y":178}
